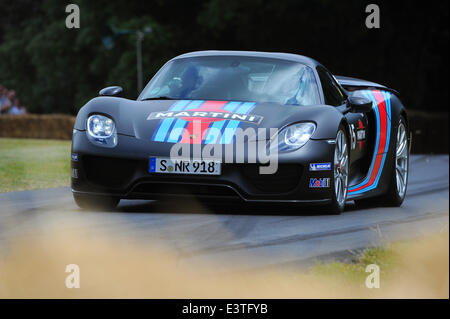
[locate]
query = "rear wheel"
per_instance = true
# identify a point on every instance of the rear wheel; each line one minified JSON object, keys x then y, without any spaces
{"x":340,"y":172}
{"x":399,"y":177}
{"x":95,"y":202}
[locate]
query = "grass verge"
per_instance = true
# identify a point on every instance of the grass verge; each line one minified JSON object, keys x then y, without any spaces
{"x":387,"y":258}
{"x":416,"y":268}
{"x":33,"y":164}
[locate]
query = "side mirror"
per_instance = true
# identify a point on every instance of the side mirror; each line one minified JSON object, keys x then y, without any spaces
{"x":359,"y":104}
{"x":111,"y":91}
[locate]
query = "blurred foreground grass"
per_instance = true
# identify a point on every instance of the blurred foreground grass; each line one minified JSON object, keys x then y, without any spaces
{"x":33,"y":163}
{"x":114,"y":267}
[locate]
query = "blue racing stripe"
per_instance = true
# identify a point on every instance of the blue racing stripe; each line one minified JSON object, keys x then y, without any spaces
{"x":246,"y":107}
{"x":369,"y":95}
{"x":214,"y":131}
{"x":230,"y":130}
{"x":387,"y":102}
{"x":161,"y":132}
{"x":231,"y":106}
{"x":179,"y":105}
{"x":164,"y":125}
{"x":386,"y":147}
{"x":177,"y":131}
{"x":212,"y":135}
{"x":377,"y":178}
{"x":194,"y":104}
{"x":178,"y":128}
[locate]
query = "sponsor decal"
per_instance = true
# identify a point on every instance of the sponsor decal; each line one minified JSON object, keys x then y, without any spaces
{"x":74,"y":157}
{"x":361,"y":135}
{"x":210,"y":116}
{"x":320,"y":166}
{"x":358,"y":134}
{"x":218,"y":121}
{"x":319,"y":182}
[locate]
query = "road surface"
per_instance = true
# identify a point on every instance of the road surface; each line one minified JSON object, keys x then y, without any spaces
{"x":257,"y":236}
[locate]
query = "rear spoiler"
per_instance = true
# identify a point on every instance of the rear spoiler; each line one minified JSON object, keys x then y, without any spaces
{"x":353,"y":84}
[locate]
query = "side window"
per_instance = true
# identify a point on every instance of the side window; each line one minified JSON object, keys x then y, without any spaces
{"x":331,"y":91}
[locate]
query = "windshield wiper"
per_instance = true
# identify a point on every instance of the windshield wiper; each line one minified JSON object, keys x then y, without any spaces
{"x":158,"y":98}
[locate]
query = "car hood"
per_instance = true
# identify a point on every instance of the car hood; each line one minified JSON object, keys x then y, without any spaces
{"x":169,"y":120}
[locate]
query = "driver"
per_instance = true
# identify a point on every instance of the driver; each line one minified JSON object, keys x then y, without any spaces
{"x":302,"y":87}
{"x":189,"y":81}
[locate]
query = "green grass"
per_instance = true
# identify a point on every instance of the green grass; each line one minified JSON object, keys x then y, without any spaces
{"x":355,"y":272}
{"x":33,"y":163}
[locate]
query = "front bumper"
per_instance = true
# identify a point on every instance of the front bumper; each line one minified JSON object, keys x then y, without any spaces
{"x":123,"y":172}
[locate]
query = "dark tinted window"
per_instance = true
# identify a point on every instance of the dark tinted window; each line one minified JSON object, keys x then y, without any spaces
{"x":236,"y":78}
{"x":331,"y":91}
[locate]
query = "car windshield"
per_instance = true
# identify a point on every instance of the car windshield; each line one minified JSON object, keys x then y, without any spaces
{"x":235,"y":78}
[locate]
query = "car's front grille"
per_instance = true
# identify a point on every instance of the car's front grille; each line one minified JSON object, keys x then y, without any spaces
{"x":284,"y":180}
{"x":109,"y":172}
{"x":118,"y":173}
{"x":184,"y":189}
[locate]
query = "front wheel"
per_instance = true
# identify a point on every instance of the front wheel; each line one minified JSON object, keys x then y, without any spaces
{"x":340,"y":173}
{"x":95,"y":202}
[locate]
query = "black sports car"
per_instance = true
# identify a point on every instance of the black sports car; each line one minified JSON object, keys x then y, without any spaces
{"x":251,"y":126}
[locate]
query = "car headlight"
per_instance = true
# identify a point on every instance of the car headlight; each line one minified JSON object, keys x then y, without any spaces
{"x":295,"y":136}
{"x":102,"y":130}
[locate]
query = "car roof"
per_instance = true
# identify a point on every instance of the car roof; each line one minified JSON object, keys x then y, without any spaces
{"x":273,"y":55}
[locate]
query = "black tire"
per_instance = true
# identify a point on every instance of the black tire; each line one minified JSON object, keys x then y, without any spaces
{"x":95,"y":202}
{"x":392,"y":197}
{"x":336,"y":208}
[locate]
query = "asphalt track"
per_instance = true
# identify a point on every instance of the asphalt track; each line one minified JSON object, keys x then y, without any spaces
{"x":257,"y":236}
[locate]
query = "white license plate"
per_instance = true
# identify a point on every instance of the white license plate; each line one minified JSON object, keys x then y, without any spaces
{"x":199,"y":167}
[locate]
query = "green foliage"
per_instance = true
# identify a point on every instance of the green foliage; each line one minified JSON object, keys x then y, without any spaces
{"x":55,"y":69}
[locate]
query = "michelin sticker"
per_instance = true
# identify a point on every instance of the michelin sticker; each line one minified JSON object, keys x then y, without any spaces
{"x":320,"y":166}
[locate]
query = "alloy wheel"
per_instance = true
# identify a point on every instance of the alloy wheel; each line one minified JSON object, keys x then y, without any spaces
{"x":401,"y":160}
{"x":341,"y":168}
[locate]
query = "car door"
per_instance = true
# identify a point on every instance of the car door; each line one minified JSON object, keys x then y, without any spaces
{"x":334,"y":95}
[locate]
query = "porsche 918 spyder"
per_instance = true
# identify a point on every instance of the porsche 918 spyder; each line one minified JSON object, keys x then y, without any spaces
{"x":337,"y":138}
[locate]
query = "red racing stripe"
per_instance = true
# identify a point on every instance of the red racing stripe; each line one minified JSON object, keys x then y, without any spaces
{"x":191,"y":136}
{"x":382,"y":144}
